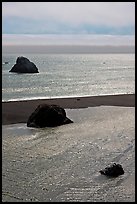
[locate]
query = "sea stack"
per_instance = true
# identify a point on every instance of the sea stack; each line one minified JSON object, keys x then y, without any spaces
{"x":24,"y":65}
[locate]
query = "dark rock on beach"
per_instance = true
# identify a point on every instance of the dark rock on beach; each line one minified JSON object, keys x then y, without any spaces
{"x":48,"y":116}
{"x":113,"y":170}
{"x":24,"y":65}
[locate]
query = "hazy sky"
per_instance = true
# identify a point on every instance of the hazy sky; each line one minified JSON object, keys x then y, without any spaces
{"x":96,"y":20}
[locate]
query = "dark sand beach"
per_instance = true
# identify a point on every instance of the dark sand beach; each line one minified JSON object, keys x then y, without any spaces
{"x":19,"y":111}
{"x":62,"y":164}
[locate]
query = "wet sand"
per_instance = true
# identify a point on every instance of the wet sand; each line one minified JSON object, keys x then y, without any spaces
{"x":62,"y":164}
{"x":19,"y":111}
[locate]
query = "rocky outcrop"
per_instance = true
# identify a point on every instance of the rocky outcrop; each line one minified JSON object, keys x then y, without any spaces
{"x":48,"y":116}
{"x":113,"y":170}
{"x":23,"y":65}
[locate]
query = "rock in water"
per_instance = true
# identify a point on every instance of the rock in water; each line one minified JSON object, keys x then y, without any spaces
{"x":48,"y":116}
{"x":113,"y":170}
{"x":23,"y":65}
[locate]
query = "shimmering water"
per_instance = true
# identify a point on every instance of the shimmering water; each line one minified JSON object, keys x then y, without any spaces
{"x":69,"y":75}
{"x":62,"y":164}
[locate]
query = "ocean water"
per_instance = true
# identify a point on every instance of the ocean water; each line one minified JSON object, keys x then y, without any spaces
{"x":62,"y":164}
{"x":65,"y":75}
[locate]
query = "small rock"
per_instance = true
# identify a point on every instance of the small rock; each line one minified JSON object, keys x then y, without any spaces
{"x":113,"y":170}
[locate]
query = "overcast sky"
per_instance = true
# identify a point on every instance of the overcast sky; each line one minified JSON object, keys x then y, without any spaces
{"x":96,"y":20}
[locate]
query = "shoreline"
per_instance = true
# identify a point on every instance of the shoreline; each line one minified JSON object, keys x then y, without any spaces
{"x":19,"y":111}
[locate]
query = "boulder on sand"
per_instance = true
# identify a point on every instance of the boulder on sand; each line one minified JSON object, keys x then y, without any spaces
{"x":48,"y":116}
{"x":113,"y":170}
{"x":23,"y":65}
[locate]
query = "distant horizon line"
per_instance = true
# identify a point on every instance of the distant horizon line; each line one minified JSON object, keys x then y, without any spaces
{"x":67,"y":45}
{"x":67,"y":49}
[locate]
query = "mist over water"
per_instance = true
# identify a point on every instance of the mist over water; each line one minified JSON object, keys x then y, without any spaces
{"x":68,"y":49}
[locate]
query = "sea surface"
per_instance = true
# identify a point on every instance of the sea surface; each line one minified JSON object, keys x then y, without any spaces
{"x":66,"y":75}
